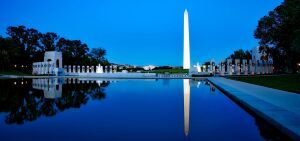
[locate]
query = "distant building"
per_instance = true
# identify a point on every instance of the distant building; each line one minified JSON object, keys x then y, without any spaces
{"x":150,"y":67}
{"x":51,"y":65}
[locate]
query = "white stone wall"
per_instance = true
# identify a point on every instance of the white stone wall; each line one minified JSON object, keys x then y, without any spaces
{"x":251,"y":68}
{"x":52,"y":64}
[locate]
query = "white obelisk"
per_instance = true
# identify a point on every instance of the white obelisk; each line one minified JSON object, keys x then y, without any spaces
{"x":186,"y":42}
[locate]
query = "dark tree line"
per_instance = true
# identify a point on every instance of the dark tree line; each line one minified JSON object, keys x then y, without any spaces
{"x":240,"y":54}
{"x":279,"y":35}
{"x":23,"y":46}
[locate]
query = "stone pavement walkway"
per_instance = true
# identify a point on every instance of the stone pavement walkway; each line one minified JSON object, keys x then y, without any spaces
{"x":280,"y":108}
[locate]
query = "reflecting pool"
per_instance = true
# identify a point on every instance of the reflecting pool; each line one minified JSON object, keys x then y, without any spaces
{"x":87,"y":109}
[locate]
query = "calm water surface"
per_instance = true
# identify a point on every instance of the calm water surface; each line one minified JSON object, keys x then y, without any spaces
{"x":78,"y":109}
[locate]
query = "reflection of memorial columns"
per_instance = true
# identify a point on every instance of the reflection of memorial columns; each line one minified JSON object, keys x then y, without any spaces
{"x":52,"y":88}
{"x":186,"y":90}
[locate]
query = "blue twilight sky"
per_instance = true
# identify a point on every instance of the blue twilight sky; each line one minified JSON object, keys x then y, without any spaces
{"x":144,"y":32}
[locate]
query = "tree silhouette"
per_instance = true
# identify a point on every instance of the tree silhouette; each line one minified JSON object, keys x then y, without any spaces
{"x":279,"y":34}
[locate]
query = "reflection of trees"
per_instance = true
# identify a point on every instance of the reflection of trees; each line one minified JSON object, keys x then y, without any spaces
{"x":22,"y":103}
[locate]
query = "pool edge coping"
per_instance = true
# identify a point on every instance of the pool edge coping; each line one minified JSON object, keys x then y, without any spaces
{"x":286,"y":129}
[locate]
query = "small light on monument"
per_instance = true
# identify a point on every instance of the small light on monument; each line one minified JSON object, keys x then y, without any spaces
{"x":298,"y":64}
{"x":15,"y":66}
{"x":22,"y":66}
{"x":15,"y":83}
{"x":22,"y":82}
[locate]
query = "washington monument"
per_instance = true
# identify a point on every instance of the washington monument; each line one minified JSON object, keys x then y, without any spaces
{"x":186,"y":42}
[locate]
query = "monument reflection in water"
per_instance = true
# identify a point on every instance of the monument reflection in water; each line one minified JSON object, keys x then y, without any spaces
{"x":27,"y":100}
{"x":85,"y":109}
{"x":52,"y":88}
{"x":186,"y":93}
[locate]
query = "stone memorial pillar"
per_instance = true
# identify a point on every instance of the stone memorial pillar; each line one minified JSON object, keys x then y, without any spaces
{"x":47,"y":68}
{"x":259,"y":67}
{"x":110,"y":69}
{"x":256,"y":69}
{"x":213,"y":67}
{"x":52,"y":68}
{"x":262,"y":71}
{"x":74,"y":69}
{"x":115,"y":68}
{"x":222,"y":66}
{"x":97,"y":69}
{"x":251,"y":67}
{"x":39,"y":68}
{"x":237,"y":66}
{"x":229,"y":65}
{"x":245,"y":67}
{"x":101,"y":69}
{"x":92,"y":69}
{"x":42,"y":68}
{"x":267,"y":67}
{"x":271,"y":66}
{"x":87,"y":69}
{"x":105,"y":69}
{"x":83,"y":69}
{"x":78,"y":69}
{"x":242,"y":67}
{"x":69,"y":69}
{"x":36,"y":68}
{"x":65,"y":69}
